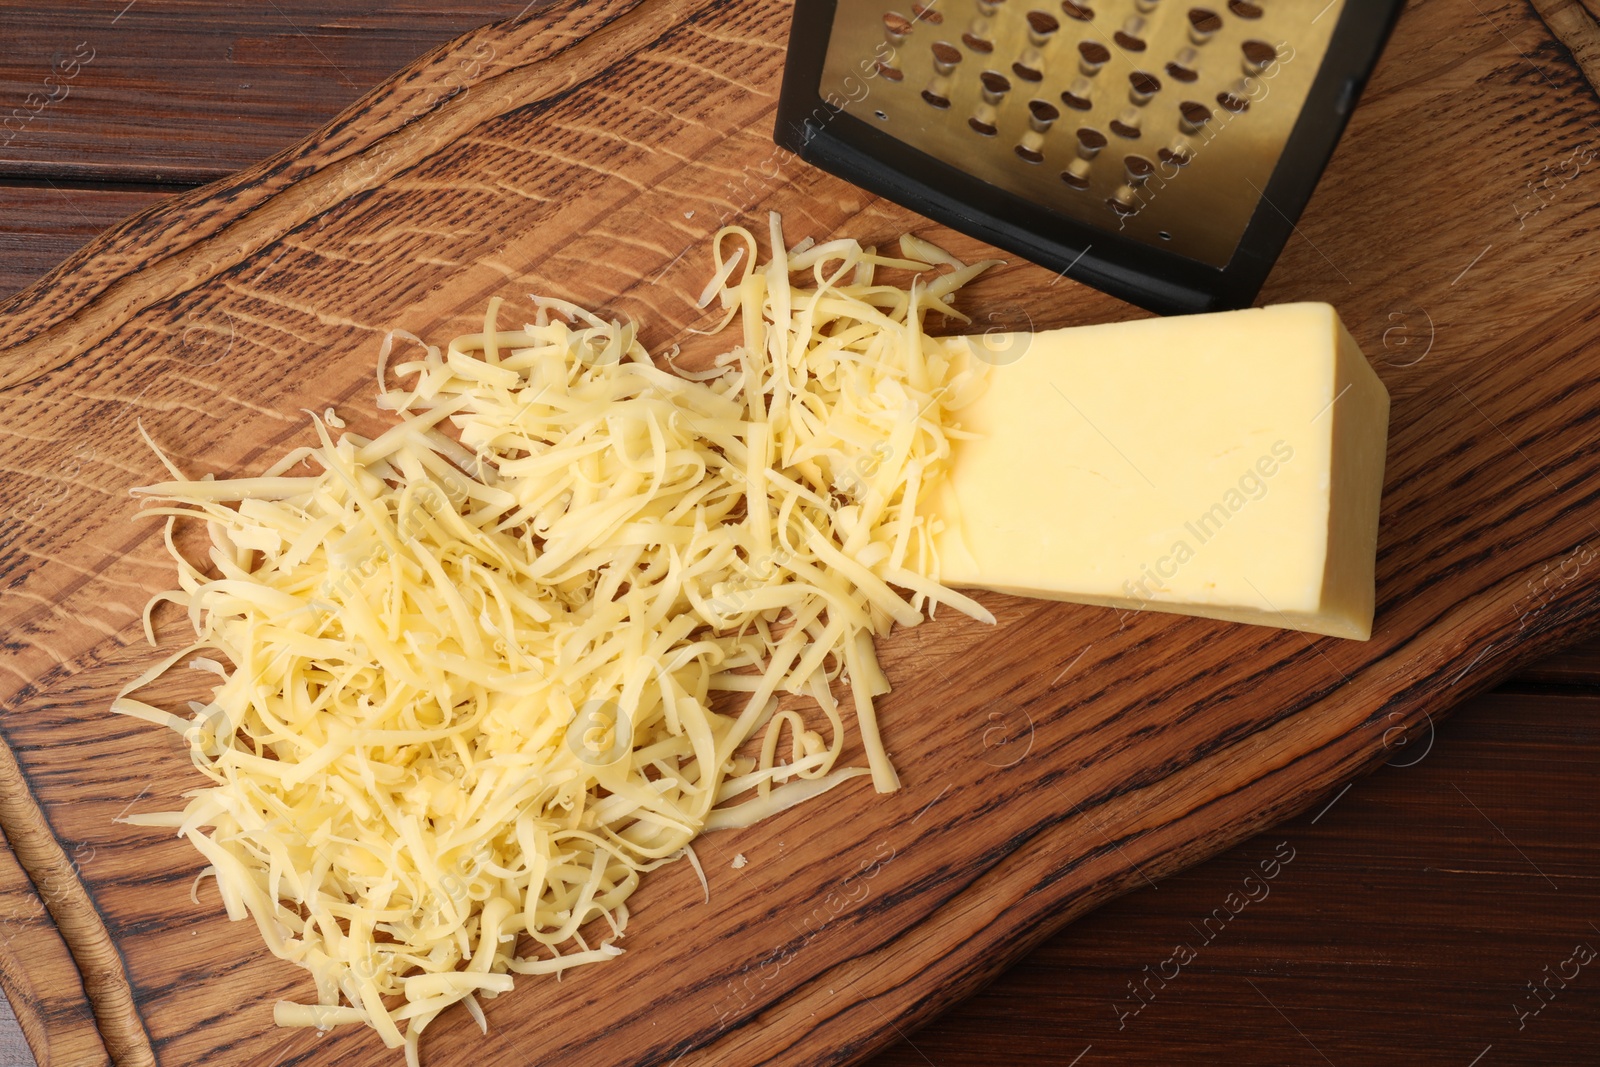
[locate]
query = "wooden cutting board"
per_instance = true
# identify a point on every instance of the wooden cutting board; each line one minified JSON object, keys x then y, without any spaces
{"x":1050,"y":764}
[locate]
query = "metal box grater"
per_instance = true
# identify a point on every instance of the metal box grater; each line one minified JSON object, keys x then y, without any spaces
{"x":1154,"y":149}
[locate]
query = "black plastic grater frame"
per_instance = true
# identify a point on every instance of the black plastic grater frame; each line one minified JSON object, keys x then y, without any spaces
{"x":1145,"y":274}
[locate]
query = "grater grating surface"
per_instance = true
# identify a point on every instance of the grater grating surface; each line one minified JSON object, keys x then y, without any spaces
{"x":1156,"y":118}
{"x":1160,"y":150}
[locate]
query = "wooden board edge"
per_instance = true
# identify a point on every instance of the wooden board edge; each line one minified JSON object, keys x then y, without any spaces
{"x":68,"y":921}
{"x":1570,"y":618}
{"x":1575,"y":26}
{"x":41,"y":979}
{"x":345,"y":151}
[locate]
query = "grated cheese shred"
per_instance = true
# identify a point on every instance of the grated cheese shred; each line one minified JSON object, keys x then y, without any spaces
{"x":468,"y":667}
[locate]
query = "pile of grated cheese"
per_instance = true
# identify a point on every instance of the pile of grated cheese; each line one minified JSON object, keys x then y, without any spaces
{"x":467,"y":668}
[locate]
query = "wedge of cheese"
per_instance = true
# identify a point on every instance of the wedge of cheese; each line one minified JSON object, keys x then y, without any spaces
{"x":1226,"y":465}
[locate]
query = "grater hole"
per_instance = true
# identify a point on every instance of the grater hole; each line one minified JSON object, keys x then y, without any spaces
{"x":1076,"y":101}
{"x":1032,"y":155}
{"x":1026,"y":73}
{"x":1164,"y":235}
{"x":882,"y":116}
{"x":1043,"y":23}
{"x":1043,"y":111}
{"x":946,"y":53}
{"x":1094,"y":53}
{"x":1081,"y":12}
{"x":1125,"y":202}
{"x":1244,"y":10}
{"x":894,"y":74}
{"x":1233,"y":102}
{"x":1259,"y":54}
{"x":1194,"y":112}
{"x":1144,"y":83}
{"x":1125,"y":129}
{"x":977,"y":44}
{"x":1204,"y":21}
{"x":1139,"y":169}
{"x":935,"y":99}
{"x":927,"y":13}
{"x":985,"y":128}
{"x":995,"y":82}
{"x":1091,"y":138}
{"x":897,"y":24}
{"x":1128,"y":41}
{"x":1078,"y":179}
{"x":1178,"y":72}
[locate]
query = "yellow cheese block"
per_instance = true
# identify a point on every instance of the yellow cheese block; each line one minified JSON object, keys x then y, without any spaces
{"x":1226,"y":465}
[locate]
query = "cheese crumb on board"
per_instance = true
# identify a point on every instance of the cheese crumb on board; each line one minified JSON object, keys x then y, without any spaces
{"x":466,"y":702}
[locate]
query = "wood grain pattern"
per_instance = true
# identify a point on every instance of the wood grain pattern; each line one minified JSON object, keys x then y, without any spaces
{"x":41,"y":980}
{"x":1417,"y":907}
{"x":42,"y":225}
{"x":1575,"y":27}
{"x":55,"y":866}
{"x":88,"y":93}
{"x":571,"y":167}
{"x":1576,"y":666}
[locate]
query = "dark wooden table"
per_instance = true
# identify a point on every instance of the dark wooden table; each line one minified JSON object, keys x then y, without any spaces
{"x":1419,"y":917}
